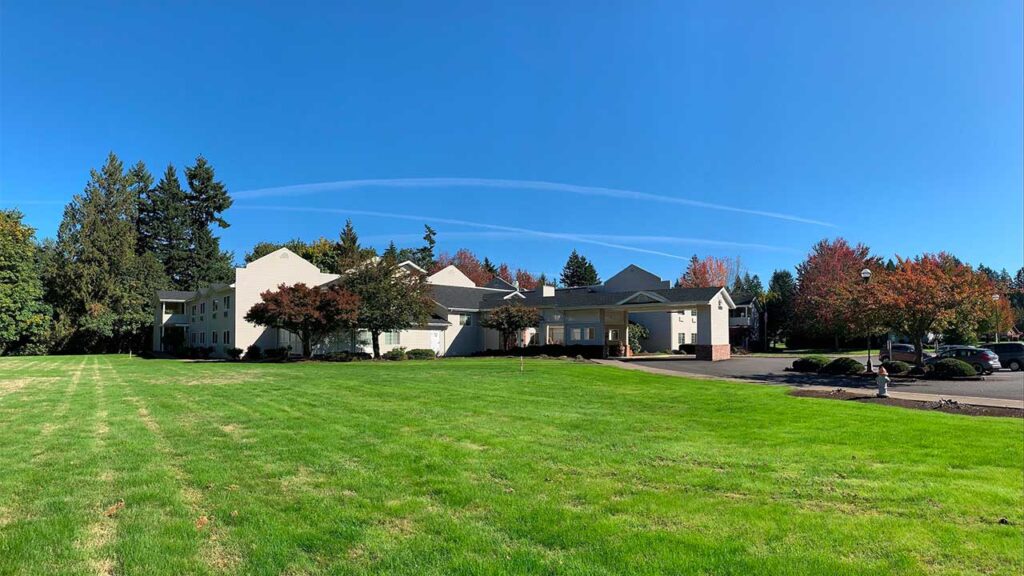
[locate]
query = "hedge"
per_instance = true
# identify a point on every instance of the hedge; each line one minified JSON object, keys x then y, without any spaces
{"x":952,"y":368}
{"x":421,"y":354}
{"x":842,"y":367}
{"x":896,"y":368}
{"x":809,"y":363}
{"x":394,"y":354}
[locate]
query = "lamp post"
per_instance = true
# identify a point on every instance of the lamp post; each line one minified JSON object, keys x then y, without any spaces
{"x":866,"y":275}
{"x":995,"y":298}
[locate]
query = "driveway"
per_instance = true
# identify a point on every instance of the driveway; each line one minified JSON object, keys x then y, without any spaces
{"x":1003,"y":385}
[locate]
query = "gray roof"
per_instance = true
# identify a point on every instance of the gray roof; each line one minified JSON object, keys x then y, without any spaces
{"x":500,"y":283}
{"x":587,"y":297}
{"x":174,"y":294}
{"x":462,"y":297}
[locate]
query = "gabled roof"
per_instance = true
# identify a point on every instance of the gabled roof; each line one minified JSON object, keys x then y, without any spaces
{"x":174,"y":295}
{"x":462,"y":297}
{"x":588,"y":298}
{"x":500,"y":284}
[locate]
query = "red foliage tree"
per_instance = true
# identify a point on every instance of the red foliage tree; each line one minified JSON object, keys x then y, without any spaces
{"x":467,"y":263}
{"x":526,"y":280}
{"x":505,"y":273}
{"x":705,"y":273}
{"x":832,"y":299}
{"x":311,"y":313}
{"x":931,"y":293}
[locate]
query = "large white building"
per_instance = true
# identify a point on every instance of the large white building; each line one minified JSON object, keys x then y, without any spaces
{"x":590,"y":316}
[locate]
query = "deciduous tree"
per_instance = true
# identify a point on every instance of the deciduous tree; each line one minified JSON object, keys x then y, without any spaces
{"x":312,"y":313}
{"x":24,"y":317}
{"x":510,"y":320}
{"x":705,"y":273}
{"x":832,"y":299}
{"x":467,"y":263}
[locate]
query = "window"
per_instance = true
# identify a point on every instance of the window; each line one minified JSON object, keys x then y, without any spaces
{"x":681,"y":338}
{"x":213,"y":337}
{"x":193,"y":337}
{"x":465,"y":320}
{"x":225,"y":313}
{"x":193,"y":309}
{"x":202,"y":337}
{"x":693,"y":338}
{"x":227,"y":336}
{"x":613,"y":334}
{"x":392,"y":339}
{"x":202,"y":307}
{"x":588,"y":333}
{"x":227,"y":302}
{"x":174,"y":308}
{"x":576,"y":333}
{"x":214,"y":302}
{"x":556,"y":335}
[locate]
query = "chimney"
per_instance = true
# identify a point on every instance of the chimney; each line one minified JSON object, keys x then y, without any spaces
{"x":547,"y":290}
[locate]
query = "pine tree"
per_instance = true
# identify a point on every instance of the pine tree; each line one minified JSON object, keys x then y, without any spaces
{"x":349,"y":253}
{"x":149,"y":216}
{"x":206,"y":200}
{"x":106,"y":286}
{"x":489,"y":267}
{"x":780,"y":305}
{"x":170,"y":228}
{"x":424,"y":257}
{"x":578,"y":271}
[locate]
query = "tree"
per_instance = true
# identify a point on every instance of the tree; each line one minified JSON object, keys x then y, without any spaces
{"x":24,"y":317}
{"x":148,"y":216}
{"x":390,"y":298}
{"x":206,"y":199}
{"x":103,"y":287}
{"x":779,"y":306}
{"x":510,"y":320}
{"x":312,"y":313}
{"x":578,"y":271}
{"x":468,"y":264}
{"x":525,"y":279}
{"x":832,"y":299}
{"x":747,"y":286}
{"x":505,"y":273}
{"x":932,"y":293}
{"x":637,"y":334}
{"x":165,"y":228}
{"x":423,"y":256}
{"x":490,"y":267}
{"x":705,"y":273}
{"x":349,"y":252}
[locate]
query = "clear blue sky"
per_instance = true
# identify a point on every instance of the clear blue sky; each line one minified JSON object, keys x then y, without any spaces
{"x":900,"y":124}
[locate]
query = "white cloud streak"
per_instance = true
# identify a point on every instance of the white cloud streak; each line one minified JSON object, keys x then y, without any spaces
{"x":340,"y":185}
{"x":496,"y":229}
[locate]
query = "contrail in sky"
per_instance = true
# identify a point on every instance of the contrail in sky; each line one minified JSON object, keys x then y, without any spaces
{"x":306,"y":189}
{"x":581,"y":238}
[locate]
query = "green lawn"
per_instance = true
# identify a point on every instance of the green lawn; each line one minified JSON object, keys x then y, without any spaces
{"x":469,"y":467}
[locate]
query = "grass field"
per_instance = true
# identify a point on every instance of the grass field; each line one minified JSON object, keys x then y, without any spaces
{"x":111,"y":465}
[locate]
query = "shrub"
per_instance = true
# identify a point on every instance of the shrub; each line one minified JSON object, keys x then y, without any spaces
{"x":842,"y":367}
{"x":394,"y":354}
{"x":896,"y":368}
{"x":809,"y":363}
{"x":953,"y":368}
{"x":253,"y":352}
{"x":421,"y":354}
{"x":550,"y":350}
{"x":276,"y":353}
{"x":234,"y":353}
{"x":345,"y":356}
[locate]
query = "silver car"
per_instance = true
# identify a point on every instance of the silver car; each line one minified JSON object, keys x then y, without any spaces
{"x":983,"y":360}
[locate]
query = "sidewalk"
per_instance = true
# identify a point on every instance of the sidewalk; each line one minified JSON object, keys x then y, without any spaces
{"x":972,"y":400}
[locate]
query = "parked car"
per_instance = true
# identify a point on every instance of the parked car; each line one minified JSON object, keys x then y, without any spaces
{"x":983,"y":360}
{"x":1011,"y":354}
{"x":903,"y":353}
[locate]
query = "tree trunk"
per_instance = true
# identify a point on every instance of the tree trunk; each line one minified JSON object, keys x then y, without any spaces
{"x":307,"y":349}
{"x":835,"y":345}
{"x":375,"y":340}
{"x":918,"y":351}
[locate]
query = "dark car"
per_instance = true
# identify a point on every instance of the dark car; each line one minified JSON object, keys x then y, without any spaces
{"x":1011,"y":354}
{"x":903,"y":353}
{"x":983,"y":360}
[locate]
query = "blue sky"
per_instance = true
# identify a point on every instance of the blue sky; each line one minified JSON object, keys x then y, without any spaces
{"x":748,"y":129}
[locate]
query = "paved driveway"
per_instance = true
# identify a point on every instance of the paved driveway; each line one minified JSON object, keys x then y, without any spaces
{"x":1003,"y":384}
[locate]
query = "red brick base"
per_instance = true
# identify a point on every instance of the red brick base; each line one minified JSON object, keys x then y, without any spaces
{"x":713,"y":352}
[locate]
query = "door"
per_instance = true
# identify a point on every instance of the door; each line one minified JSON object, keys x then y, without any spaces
{"x":435,"y":341}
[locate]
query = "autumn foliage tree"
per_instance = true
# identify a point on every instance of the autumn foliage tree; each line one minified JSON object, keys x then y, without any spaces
{"x":467,"y":263}
{"x":705,"y":273}
{"x":832,"y":299}
{"x":312,"y":313}
{"x":510,"y":320}
{"x":932,"y":293}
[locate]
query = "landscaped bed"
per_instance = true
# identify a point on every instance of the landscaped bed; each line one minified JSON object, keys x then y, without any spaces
{"x":130,"y":466}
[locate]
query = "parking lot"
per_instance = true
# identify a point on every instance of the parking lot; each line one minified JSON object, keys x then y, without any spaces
{"x":1003,"y":384}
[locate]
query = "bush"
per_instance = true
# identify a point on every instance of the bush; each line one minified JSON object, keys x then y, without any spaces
{"x":952,"y":368}
{"x":842,"y":367}
{"x":809,"y":363}
{"x":550,"y":350}
{"x":234,"y":353}
{"x":896,"y":368}
{"x":394,"y":354}
{"x":343,"y":356}
{"x":276,"y":353}
{"x":253,"y":352}
{"x":421,"y":354}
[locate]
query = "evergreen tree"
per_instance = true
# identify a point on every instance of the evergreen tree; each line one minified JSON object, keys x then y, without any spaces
{"x":169,"y":228}
{"x":206,"y":200}
{"x":578,"y":271}
{"x":148,"y":215}
{"x":24,"y":317}
{"x":489,"y":267}
{"x":424,"y":257}
{"x":105,"y":286}
{"x":349,"y":253}
{"x":780,"y":305}
{"x":392,"y":252}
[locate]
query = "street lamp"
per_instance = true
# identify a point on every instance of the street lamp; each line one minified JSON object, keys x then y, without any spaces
{"x":995,"y":298}
{"x":866,"y":275}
